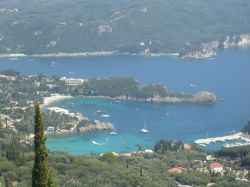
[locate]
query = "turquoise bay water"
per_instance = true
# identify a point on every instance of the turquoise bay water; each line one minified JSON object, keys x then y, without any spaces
{"x":228,"y":76}
{"x":185,"y":122}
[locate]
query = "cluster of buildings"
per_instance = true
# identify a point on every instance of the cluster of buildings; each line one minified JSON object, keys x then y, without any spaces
{"x":209,"y":164}
{"x":9,"y":78}
{"x":63,"y":111}
{"x":66,"y":112}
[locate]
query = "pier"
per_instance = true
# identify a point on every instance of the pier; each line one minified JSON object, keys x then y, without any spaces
{"x":236,"y":136}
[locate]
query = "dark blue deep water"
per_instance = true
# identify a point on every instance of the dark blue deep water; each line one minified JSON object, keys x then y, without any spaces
{"x":227,"y":75}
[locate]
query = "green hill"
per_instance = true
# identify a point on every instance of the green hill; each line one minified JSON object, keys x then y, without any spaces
{"x":125,"y":26}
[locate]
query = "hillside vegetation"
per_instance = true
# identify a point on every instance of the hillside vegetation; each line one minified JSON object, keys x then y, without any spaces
{"x":125,"y":26}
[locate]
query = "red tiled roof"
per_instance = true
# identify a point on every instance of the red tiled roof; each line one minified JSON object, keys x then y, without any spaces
{"x":215,"y":165}
{"x":186,"y":146}
{"x":177,"y":170}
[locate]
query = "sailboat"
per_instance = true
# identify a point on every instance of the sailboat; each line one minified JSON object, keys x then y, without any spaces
{"x":113,"y":133}
{"x":144,"y":129}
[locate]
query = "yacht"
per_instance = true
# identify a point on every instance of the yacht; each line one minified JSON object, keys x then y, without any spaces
{"x":100,"y":112}
{"x":105,"y":116}
{"x":113,"y":133}
{"x":144,"y":129}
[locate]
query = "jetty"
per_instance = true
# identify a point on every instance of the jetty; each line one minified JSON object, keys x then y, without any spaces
{"x":236,"y":136}
{"x":236,"y":144}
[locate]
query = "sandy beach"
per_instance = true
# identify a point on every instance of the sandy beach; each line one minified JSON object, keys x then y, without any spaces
{"x":53,"y":98}
{"x":76,"y":54}
{"x":12,"y":55}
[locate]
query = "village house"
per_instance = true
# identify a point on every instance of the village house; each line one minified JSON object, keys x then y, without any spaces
{"x":177,"y":170}
{"x":216,"y":167}
{"x":186,"y":147}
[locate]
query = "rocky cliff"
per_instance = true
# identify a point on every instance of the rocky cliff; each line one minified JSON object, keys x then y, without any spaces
{"x":208,"y":50}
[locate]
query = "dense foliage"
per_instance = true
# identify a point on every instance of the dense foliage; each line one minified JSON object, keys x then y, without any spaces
{"x":241,"y":153}
{"x":128,"y":87}
{"x":163,"y":146}
{"x":93,"y":25}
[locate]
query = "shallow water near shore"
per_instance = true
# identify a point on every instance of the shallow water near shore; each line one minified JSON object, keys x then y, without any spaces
{"x":227,"y":75}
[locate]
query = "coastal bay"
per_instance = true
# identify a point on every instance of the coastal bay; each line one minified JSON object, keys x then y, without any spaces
{"x":227,"y":76}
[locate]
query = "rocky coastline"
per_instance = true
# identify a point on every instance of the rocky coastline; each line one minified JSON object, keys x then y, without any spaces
{"x":209,"y":50}
{"x":204,"y":51}
{"x":95,"y":125}
{"x":202,"y":97}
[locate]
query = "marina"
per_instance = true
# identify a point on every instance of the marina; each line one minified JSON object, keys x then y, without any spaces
{"x":234,"y":137}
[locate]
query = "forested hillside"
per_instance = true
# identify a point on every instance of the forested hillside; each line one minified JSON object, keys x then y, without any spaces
{"x":128,"y":26}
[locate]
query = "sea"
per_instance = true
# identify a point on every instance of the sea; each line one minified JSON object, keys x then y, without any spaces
{"x":227,"y":75}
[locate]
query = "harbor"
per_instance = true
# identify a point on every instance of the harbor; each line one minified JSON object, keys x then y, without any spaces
{"x":244,"y":140}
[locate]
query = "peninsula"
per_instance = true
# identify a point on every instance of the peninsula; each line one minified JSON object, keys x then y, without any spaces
{"x":18,"y":94}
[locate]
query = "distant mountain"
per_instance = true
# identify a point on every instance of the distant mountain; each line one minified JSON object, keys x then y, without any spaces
{"x":128,"y":26}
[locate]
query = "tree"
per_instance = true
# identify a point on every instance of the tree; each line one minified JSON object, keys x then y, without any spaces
{"x":41,"y":175}
{"x":108,"y":157}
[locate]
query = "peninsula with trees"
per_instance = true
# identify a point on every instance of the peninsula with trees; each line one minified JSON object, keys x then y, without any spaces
{"x":18,"y":93}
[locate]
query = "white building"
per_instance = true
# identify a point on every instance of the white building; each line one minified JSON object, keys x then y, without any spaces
{"x":72,"y":81}
{"x":210,"y":158}
{"x":50,"y":129}
{"x":62,"y":111}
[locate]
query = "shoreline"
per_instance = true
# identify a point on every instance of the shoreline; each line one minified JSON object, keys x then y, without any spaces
{"x":57,"y":97}
{"x":195,"y":98}
{"x":73,"y":132}
{"x":12,"y":55}
{"x":204,"y":51}
{"x":53,"y":98}
{"x":87,"y":54}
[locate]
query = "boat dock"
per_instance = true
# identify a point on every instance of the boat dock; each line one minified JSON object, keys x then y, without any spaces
{"x":236,"y":144}
{"x":236,"y":136}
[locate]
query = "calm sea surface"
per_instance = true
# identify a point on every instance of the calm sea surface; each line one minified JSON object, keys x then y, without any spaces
{"x":228,"y":76}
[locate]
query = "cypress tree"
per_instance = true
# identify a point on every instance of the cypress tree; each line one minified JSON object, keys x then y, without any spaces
{"x":41,"y":176}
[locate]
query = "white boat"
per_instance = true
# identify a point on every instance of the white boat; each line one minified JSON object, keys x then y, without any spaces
{"x":144,"y":129}
{"x":100,"y":112}
{"x":105,"y":116}
{"x":113,"y":133}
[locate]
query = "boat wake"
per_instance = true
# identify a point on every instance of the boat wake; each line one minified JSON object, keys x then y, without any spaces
{"x":96,"y":143}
